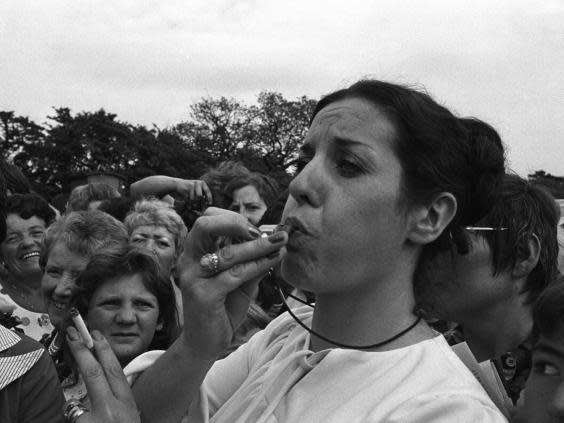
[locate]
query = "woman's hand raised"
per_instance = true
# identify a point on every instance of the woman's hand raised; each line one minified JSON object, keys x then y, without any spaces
{"x":217,"y":290}
{"x":193,"y":189}
{"x":109,"y":393}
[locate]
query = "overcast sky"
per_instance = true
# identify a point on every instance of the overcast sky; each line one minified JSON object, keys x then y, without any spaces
{"x":147,"y":61}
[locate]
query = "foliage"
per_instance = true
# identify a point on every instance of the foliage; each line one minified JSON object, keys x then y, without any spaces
{"x":264,"y":136}
{"x":17,"y":133}
{"x":281,"y":128}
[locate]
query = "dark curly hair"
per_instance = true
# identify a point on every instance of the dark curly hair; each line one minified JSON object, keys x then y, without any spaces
{"x":28,"y":205}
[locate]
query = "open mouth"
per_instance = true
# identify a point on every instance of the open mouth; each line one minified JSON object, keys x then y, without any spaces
{"x":30,"y":255}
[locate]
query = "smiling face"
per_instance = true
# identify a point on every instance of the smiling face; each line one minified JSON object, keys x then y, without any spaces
{"x":22,"y":246}
{"x":248,"y":202}
{"x":58,"y":284}
{"x":347,"y":228}
{"x":544,"y":391}
{"x":158,"y":240}
{"x":127,"y":314}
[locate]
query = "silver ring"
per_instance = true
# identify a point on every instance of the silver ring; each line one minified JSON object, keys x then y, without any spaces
{"x":73,"y":409}
{"x":210,"y":263}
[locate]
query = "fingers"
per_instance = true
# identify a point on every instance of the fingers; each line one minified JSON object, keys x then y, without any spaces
{"x":213,"y":286}
{"x":207,"y":192}
{"x":198,"y":193}
{"x":91,"y":371}
{"x":216,"y":223}
{"x":112,"y":368}
{"x":196,"y":189}
{"x":233,"y":255}
{"x":238,"y":275}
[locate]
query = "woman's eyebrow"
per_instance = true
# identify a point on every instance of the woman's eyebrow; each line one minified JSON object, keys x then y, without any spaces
{"x":109,"y":298}
{"x":145,"y":298}
{"x":347,"y":143}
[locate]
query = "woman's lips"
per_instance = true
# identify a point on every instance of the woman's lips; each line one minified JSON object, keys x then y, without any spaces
{"x":293,"y":224}
{"x":124,"y":336}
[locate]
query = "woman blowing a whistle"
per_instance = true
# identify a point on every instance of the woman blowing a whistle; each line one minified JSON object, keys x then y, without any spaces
{"x":386,"y":177}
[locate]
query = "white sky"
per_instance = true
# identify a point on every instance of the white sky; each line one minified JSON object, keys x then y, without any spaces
{"x":147,"y":61}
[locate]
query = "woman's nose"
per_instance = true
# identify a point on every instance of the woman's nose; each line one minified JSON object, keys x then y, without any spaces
{"x":64,"y":287}
{"x":126,"y":315}
{"x":245,"y":213}
{"x":151,"y":245}
{"x":304,"y":188}
{"x":27,"y":241}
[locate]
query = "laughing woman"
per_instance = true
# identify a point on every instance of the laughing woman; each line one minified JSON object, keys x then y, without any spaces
{"x":386,"y":177}
{"x":68,"y":246}
{"x":27,"y":217}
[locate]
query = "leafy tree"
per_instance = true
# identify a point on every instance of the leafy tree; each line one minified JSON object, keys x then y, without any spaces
{"x":164,"y":152}
{"x":17,"y":133}
{"x":217,"y":129}
{"x":264,"y":136}
{"x":280,"y":128}
{"x":72,"y":145}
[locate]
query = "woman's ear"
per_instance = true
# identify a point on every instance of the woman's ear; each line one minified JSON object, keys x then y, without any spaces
{"x":160,"y":325}
{"x":428,"y":221}
{"x":525,"y":265}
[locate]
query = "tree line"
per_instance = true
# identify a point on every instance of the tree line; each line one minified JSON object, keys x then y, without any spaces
{"x":264,"y":136}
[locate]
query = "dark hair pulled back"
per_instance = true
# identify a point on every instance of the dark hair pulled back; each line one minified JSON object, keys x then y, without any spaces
{"x":438,"y":151}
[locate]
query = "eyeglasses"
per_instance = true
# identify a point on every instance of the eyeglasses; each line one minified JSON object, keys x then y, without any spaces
{"x":484,"y":228}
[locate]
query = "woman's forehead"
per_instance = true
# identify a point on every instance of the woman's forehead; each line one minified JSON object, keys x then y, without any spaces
{"x":352,"y":119}
{"x":133,"y":281}
{"x":14,"y":220}
{"x":153,"y":230}
{"x":354,"y":110}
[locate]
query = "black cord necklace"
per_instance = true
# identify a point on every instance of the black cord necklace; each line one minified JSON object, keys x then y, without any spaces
{"x":338,"y":344}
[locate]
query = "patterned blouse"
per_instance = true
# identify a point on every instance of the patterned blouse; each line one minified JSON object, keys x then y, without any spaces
{"x":35,"y":325}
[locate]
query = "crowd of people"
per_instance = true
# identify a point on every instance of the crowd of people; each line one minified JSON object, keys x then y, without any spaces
{"x":404,"y":275}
